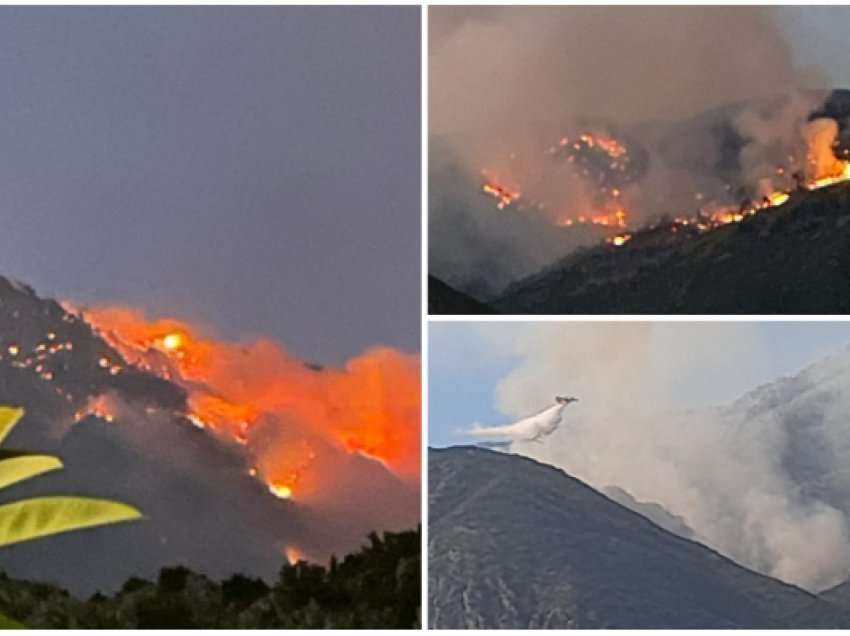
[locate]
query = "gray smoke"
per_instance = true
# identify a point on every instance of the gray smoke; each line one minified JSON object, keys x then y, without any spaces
{"x":749,"y":483}
{"x":507,"y":83}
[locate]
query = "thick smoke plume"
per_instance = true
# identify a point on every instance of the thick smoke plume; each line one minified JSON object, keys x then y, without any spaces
{"x":746,"y":481}
{"x":507,"y":83}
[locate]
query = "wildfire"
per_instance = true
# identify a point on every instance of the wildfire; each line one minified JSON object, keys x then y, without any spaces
{"x":823,"y":168}
{"x":172,"y":341}
{"x":620,"y":239}
{"x":101,"y":406}
{"x":285,"y":412}
{"x":281,"y":491}
{"x":504,"y":195}
{"x":293,"y":555}
{"x":775,"y":199}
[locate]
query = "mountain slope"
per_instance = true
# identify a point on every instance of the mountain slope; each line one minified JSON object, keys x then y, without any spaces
{"x":793,"y":259}
{"x":443,"y":299}
{"x":515,"y":544}
{"x":202,"y":507}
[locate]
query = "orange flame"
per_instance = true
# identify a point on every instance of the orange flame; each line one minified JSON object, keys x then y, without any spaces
{"x":369,"y":406}
{"x":293,"y":554}
{"x":504,"y":195}
{"x":100,"y":406}
{"x":823,"y":168}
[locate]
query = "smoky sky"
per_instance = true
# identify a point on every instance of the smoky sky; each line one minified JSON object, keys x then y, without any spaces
{"x":253,"y":169}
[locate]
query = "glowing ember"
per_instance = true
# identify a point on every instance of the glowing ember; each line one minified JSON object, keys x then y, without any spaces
{"x":621,"y":239}
{"x":502,"y":194}
{"x":101,"y":406}
{"x":281,"y":491}
{"x":776,"y":199}
{"x":14,"y":350}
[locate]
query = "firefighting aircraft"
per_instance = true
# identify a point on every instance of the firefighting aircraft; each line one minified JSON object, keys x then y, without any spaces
{"x":528,"y":429}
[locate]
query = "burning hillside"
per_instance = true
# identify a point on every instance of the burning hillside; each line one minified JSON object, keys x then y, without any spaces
{"x":287,"y":413}
{"x":755,"y":175}
{"x":575,"y":126}
{"x":263,"y":456}
{"x":794,"y":259}
{"x":606,"y":169}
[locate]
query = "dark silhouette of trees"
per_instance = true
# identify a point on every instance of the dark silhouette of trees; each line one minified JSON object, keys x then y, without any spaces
{"x":377,"y":586}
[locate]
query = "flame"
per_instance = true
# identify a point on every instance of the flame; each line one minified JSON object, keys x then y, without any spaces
{"x":172,"y":341}
{"x":823,"y":168}
{"x":101,"y":406}
{"x":293,"y":554}
{"x":371,"y":405}
{"x":504,"y":195}
{"x":775,"y":199}
{"x":281,"y":491}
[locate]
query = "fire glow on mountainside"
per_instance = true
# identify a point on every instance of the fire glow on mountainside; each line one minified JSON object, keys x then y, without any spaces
{"x":304,"y":414}
{"x":822,"y":168}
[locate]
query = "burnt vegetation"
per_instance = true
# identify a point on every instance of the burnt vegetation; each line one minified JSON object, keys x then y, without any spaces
{"x":793,"y":259}
{"x":377,"y":586}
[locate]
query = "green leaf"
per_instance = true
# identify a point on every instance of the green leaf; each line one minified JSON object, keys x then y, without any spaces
{"x":9,"y":416}
{"x":45,"y":516}
{"x":15,"y":469}
{"x":8,"y":623}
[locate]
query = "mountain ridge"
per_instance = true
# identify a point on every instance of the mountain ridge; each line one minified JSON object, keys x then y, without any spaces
{"x":487,"y":579}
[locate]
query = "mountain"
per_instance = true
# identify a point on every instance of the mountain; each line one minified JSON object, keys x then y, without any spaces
{"x":838,"y":595}
{"x":518,"y":544}
{"x":809,"y":410}
{"x":202,"y":507}
{"x":444,"y":299}
{"x":791,"y":259}
{"x":656,"y":513}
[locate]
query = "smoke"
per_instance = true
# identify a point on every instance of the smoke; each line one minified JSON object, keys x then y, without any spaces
{"x":737,"y":476}
{"x":370,"y":406}
{"x":507,"y":83}
{"x":338,"y":447}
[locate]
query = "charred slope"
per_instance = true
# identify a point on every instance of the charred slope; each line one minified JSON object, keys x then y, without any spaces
{"x":793,"y":259}
{"x":203,"y":510}
{"x":443,"y":299}
{"x":517,"y":544}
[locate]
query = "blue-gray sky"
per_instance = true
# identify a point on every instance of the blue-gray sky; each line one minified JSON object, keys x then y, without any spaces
{"x":706,"y":364}
{"x":818,"y":37}
{"x":253,"y":169}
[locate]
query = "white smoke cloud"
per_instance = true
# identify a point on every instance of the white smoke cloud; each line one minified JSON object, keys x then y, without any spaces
{"x":726,"y":472}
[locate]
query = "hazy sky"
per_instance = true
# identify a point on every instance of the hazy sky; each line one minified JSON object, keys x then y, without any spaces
{"x":467,"y":361}
{"x":255,"y":169}
{"x":818,"y":38}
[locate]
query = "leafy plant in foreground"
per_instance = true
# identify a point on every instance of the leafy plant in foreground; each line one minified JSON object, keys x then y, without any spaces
{"x":39,"y":517}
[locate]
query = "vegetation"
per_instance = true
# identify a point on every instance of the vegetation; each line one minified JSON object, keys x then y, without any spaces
{"x":376,"y":587}
{"x":39,"y":517}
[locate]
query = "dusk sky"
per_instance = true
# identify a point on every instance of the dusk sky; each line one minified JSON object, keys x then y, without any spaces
{"x":255,"y":170}
{"x":817,"y":36}
{"x":711,"y":363}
